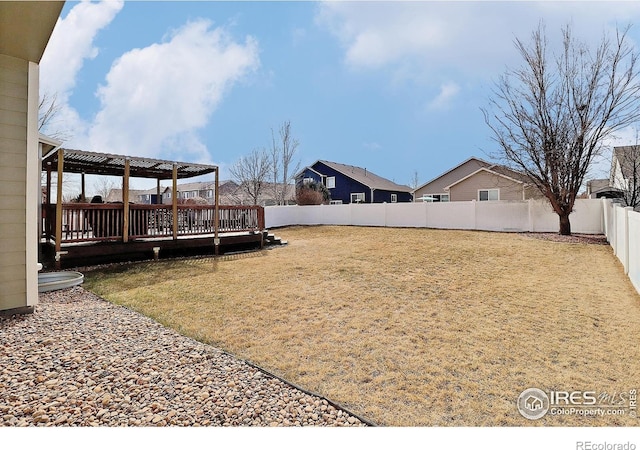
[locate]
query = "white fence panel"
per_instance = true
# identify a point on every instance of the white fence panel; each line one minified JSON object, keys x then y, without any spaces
{"x":607,"y":212}
{"x":324,"y":214}
{"x":406,"y":215}
{"x":634,"y":249}
{"x":280,"y":216}
{"x":542,"y":218}
{"x":368,"y":214}
{"x":586,"y":217}
{"x":621,"y":244}
{"x":451,"y":215}
{"x":502,"y":216}
{"x":531,"y":215}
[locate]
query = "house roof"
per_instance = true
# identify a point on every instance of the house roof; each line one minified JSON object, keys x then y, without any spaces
{"x":628,"y":161}
{"x":510,"y":173}
{"x":488,"y":170}
{"x":115,"y":195}
{"x":25,"y":27}
{"x":597,"y":186}
{"x":48,"y":143}
{"x":364,"y":176}
{"x":480,"y":161}
{"x":78,"y":161}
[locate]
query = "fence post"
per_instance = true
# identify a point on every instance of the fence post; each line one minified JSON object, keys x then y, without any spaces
{"x":614,"y":229}
{"x":605,"y":228}
{"x":625,"y":260}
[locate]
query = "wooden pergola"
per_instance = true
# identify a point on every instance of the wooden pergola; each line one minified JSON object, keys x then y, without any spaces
{"x":64,"y":160}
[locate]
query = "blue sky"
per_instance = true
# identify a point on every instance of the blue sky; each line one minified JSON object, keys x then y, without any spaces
{"x":395,"y":87}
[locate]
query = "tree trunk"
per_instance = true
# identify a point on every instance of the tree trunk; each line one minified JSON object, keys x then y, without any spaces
{"x":565,"y":225}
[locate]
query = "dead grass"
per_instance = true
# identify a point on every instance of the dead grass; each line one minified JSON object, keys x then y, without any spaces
{"x":409,"y":327}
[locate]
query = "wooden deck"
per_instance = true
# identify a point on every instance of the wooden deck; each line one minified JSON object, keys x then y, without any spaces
{"x":99,"y":233}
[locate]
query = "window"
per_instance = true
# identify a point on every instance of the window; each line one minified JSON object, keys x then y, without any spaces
{"x":331,"y":182}
{"x":307,"y":180}
{"x":335,"y":202}
{"x":357,"y":197}
{"x":435,"y":198}
{"x":168,"y":194}
{"x":394,"y":198}
{"x":486,"y":195}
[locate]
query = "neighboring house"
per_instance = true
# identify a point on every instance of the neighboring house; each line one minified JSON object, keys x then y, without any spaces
{"x":475,"y":179}
{"x":231,"y":193}
{"x":25,"y":29}
{"x":601,"y":188}
{"x":435,"y":189}
{"x":352,"y":184}
{"x":625,"y":174}
{"x":146,"y":197}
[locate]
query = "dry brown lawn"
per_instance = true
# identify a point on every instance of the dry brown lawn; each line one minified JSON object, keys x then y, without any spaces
{"x":409,"y":327}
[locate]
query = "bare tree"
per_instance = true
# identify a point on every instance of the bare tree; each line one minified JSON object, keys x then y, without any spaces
{"x":282,"y":159}
{"x":553,"y":114}
{"x":275,"y":166}
{"x":415,"y":180}
{"x":251,"y":172}
{"x":103,"y":185}
{"x":48,"y":110}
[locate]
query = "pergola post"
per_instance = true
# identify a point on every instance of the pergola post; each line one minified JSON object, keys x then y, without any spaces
{"x":58,"y":246}
{"x":125,"y":201}
{"x":158,"y":198}
{"x":174,"y":199}
{"x":216,"y":214}
{"x":83,"y":197}
{"x":48,"y":205}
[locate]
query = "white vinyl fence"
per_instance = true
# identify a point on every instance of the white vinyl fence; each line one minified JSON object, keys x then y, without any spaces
{"x":513,"y":216}
{"x":622,"y":228}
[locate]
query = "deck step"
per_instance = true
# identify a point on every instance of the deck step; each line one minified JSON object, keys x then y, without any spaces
{"x":272,"y":239}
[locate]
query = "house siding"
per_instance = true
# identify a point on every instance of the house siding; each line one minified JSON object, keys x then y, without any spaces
{"x":467,"y":189}
{"x":14,"y":106}
{"x":345,"y":186}
{"x":382,"y":196}
{"x":437,"y":186}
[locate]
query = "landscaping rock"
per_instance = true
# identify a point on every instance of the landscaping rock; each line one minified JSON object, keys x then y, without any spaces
{"x":79,"y":360}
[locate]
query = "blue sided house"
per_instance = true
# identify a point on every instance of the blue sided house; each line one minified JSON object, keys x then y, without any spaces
{"x":351,"y":184}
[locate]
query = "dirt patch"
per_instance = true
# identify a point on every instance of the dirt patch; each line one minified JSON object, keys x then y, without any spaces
{"x":597,"y":239}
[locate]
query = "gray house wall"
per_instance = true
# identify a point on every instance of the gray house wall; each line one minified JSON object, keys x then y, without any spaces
{"x":25,"y":29}
{"x":14,"y":93}
{"x":467,"y":189}
{"x":437,"y":185}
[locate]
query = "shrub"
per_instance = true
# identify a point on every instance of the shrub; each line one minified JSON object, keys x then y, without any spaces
{"x":312,"y":194}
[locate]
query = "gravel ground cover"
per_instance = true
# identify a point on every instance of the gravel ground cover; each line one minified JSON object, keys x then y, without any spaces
{"x":82,"y":361}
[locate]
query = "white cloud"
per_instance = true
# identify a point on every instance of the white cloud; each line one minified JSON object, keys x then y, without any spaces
{"x":156,"y":98}
{"x":448,"y":91}
{"x":71,"y":43}
{"x":474,"y":38}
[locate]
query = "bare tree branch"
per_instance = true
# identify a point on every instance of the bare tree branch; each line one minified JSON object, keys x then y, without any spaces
{"x":284,"y":168}
{"x":48,"y":111}
{"x":251,"y":172}
{"x":551,"y":116}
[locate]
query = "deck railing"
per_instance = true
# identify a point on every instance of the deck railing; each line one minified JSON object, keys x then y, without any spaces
{"x":84,"y":222}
